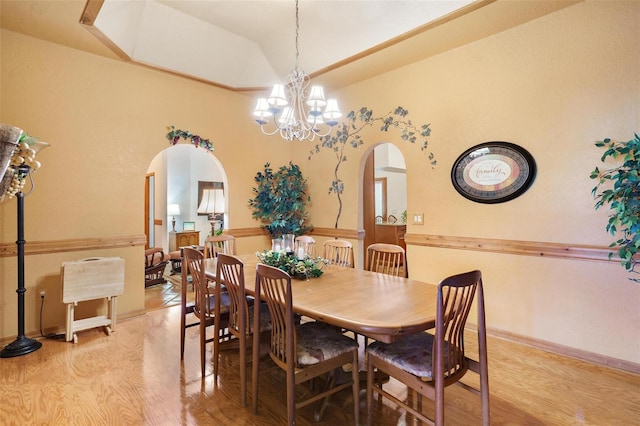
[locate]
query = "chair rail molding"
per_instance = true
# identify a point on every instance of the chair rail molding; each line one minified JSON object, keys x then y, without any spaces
{"x":525,"y":248}
{"x":78,"y":244}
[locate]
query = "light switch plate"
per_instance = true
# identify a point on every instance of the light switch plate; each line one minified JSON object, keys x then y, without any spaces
{"x":418,"y":219}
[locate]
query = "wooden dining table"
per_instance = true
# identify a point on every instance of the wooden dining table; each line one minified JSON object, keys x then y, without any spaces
{"x":375,"y":305}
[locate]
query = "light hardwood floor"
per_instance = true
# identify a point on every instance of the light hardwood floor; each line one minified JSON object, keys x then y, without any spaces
{"x":135,"y":377}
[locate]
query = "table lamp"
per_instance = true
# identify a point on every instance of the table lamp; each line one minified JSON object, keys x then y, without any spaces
{"x":212,"y":204}
{"x":173,"y":210}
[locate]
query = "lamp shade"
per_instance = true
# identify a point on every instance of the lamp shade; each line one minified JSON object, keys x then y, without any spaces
{"x":212,"y":201}
{"x":173,"y":210}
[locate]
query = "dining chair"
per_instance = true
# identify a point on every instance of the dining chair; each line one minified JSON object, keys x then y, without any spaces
{"x":204,"y":306}
{"x":427,"y":363}
{"x":219,"y":244}
{"x":230,"y":272}
{"x":338,"y":252}
{"x":307,"y":243}
{"x":304,"y":351}
{"x":387,"y":259}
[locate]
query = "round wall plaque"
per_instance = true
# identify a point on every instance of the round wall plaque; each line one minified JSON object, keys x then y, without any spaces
{"x":493,"y":172}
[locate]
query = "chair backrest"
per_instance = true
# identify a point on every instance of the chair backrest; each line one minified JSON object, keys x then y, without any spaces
{"x":455,"y":297}
{"x":307,"y":244}
{"x":274,"y":287}
{"x":230,"y":272}
{"x":193,"y":265}
{"x":154,"y":256}
{"x":219,"y":244}
{"x":338,"y":252}
{"x":386,"y":259}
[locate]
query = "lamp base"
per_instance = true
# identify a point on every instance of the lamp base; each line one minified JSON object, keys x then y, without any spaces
{"x":21,"y":346}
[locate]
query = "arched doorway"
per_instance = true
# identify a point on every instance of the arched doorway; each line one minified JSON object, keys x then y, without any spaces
{"x":179,"y":173}
{"x":384,"y":202}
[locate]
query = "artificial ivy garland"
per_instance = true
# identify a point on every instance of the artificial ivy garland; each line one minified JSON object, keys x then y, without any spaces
{"x":174,"y":136}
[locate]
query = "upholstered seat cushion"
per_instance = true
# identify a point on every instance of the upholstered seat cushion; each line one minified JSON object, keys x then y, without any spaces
{"x":265,"y":316}
{"x":412,"y":353}
{"x":318,"y":342}
{"x":225,"y":301}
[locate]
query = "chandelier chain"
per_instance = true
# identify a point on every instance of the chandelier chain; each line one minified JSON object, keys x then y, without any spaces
{"x":294,"y":111}
{"x":297,"y":35}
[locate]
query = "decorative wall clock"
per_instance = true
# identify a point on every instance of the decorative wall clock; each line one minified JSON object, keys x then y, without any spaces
{"x":493,"y":172}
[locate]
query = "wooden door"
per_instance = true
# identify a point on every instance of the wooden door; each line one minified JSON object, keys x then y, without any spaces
{"x":368,"y":201}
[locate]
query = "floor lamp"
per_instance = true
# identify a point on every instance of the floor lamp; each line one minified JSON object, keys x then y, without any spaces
{"x":22,"y":345}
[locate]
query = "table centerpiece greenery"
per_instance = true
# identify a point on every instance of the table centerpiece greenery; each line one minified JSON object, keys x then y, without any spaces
{"x":302,"y":269}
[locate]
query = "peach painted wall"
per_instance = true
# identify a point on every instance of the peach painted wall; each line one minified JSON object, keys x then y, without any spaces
{"x":106,"y":120}
{"x":554,"y":86}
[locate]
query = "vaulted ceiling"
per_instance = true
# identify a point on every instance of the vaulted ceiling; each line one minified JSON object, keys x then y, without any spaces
{"x":246,"y":45}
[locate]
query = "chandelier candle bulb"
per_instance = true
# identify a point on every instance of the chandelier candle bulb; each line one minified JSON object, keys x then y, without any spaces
{"x":303,"y":110}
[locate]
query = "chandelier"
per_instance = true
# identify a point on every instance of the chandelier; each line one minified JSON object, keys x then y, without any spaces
{"x":296,"y":112}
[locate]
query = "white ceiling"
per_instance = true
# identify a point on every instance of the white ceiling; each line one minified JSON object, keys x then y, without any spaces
{"x":243,"y":44}
{"x":246,"y":45}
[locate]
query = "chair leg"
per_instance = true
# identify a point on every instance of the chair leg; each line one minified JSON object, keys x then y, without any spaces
{"x":255,"y":362}
{"x":291,"y":396}
{"x":203,"y":341}
{"x":216,"y":343}
{"x":182,"y":335}
{"x":355,"y":376}
{"x":243,"y":369}
{"x":482,"y":347}
{"x":331,"y":381}
{"x":369,"y":390}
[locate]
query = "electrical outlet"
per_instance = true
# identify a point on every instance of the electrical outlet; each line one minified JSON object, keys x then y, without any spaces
{"x":42,"y":293}
{"x":418,"y":219}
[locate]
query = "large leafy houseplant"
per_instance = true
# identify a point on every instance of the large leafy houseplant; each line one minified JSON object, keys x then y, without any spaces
{"x":620,"y":191}
{"x":280,"y":200}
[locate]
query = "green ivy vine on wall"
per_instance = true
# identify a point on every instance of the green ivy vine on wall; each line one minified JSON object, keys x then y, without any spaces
{"x":349,"y":134}
{"x":174,"y":136}
{"x":622,"y":196}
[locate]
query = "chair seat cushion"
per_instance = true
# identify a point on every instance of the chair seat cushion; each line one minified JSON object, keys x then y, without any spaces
{"x":265,"y":316}
{"x":412,"y":353}
{"x":318,"y":342}
{"x":225,"y":301}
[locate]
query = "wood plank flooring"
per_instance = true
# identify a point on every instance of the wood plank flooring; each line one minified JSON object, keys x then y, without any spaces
{"x":135,"y":377}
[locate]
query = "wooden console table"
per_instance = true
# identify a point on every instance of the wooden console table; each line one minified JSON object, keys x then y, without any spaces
{"x":179,"y":239}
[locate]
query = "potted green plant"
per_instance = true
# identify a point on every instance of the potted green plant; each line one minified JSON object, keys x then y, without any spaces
{"x":280,"y":200}
{"x":620,"y":191}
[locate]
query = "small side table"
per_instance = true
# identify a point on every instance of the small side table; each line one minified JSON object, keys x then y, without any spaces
{"x":89,"y":279}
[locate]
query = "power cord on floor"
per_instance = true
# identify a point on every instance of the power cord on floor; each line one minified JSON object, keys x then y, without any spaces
{"x":52,"y":335}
